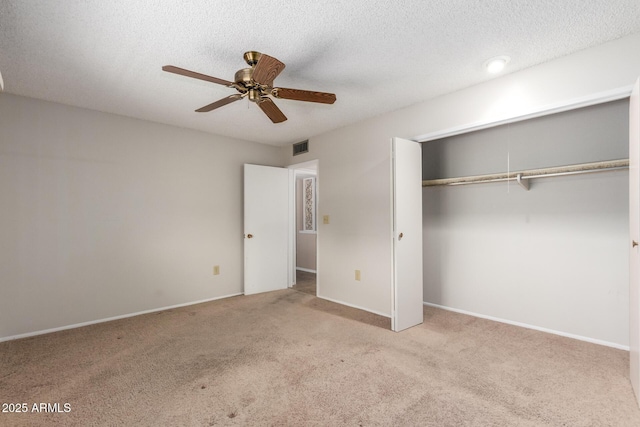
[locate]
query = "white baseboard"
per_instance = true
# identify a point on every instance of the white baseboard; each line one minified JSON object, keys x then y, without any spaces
{"x":109,"y":319}
{"x":306,"y":270}
{"x":354,"y":306}
{"x":537,"y":328}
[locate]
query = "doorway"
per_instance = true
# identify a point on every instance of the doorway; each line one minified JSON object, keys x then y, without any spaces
{"x":305,"y":232}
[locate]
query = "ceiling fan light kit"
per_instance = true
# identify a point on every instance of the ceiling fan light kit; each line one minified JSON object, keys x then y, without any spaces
{"x":256,"y":83}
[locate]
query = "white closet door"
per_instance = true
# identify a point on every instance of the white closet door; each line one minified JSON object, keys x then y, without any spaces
{"x":634,"y":229}
{"x":266,"y":228}
{"x":407,"y":234}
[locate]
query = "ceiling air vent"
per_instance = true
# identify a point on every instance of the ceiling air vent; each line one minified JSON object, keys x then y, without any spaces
{"x":301,"y":147}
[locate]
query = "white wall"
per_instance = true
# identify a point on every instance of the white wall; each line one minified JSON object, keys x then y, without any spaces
{"x":103,"y":215}
{"x":554,"y":257}
{"x":354,"y":171}
{"x":353,"y":189}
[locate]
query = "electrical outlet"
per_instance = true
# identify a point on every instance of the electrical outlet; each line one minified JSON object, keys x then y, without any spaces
{"x":358,"y":275}
{"x":216,"y":270}
{"x":325,"y":219}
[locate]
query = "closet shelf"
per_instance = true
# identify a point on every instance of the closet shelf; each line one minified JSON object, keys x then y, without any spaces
{"x":523,"y":177}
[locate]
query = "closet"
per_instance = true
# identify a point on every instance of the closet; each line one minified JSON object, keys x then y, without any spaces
{"x":528,"y":223}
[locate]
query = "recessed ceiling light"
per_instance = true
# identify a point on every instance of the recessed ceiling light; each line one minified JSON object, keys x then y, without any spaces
{"x":497,"y":64}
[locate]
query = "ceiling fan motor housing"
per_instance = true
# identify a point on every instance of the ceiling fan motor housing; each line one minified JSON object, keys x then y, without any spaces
{"x":244,"y":77}
{"x":244,"y":83}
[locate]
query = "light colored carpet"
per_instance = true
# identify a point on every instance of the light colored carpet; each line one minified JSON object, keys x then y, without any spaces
{"x":287,"y":358}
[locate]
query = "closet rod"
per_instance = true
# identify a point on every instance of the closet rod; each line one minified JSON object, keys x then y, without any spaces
{"x":532,"y":173}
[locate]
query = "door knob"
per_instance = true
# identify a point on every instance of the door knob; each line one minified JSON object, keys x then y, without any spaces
{"x":400,"y":236}
{"x":249,"y":236}
{"x":634,"y":243}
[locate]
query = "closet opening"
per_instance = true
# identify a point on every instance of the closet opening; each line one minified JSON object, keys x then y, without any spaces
{"x":554,"y":258}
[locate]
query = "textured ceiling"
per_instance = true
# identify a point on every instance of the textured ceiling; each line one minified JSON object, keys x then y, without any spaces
{"x":376,"y":56}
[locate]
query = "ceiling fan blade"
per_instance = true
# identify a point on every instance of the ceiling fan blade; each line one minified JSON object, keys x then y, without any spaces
{"x":193,"y":74}
{"x":267,"y":69}
{"x":220,"y":103}
{"x":272,"y":110}
{"x":304,"y":95}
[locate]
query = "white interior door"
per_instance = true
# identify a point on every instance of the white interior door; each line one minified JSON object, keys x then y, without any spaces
{"x":634,"y":229}
{"x":266,"y":228}
{"x":407,"y":234}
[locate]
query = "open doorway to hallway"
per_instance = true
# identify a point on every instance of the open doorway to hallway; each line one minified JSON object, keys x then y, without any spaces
{"x":306,"y":195}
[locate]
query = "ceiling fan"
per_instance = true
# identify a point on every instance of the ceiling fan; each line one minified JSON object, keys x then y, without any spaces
{"x":256,"y":82}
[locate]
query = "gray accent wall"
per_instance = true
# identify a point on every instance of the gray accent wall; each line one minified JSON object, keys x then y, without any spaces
{"x":599,"y":132}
